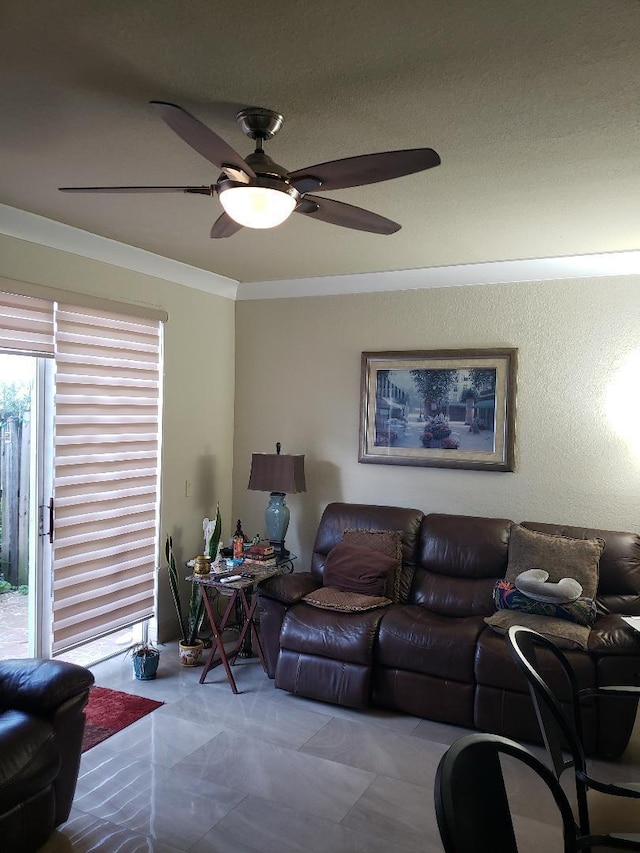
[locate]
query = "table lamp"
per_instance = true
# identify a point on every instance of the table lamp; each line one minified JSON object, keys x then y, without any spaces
{"x":278,"y":474}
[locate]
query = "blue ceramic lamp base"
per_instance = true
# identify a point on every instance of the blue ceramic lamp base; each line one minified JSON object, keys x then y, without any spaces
{"x":276,"y":519}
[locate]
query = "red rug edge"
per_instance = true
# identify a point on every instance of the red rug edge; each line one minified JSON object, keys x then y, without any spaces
{"x":109,"y":711}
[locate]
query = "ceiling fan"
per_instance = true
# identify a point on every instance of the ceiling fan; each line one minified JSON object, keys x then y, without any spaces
{"x":255,"y":192}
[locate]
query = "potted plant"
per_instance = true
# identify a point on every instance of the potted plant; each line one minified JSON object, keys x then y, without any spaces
{"x":146,"y":658}
{"x":436,"y":429}
{"x":190,"y":623}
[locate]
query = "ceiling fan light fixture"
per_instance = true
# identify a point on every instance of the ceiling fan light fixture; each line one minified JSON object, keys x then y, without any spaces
{"x":257,"y":207}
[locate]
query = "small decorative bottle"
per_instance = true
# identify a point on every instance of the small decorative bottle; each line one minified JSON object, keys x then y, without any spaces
{"x":238,"y":541}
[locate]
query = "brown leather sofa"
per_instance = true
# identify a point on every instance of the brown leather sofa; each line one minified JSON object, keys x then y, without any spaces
{"x":41,"y":727}
{"x":434,"y":657}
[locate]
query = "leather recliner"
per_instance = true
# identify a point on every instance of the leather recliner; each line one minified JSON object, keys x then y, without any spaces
{"x":433,"y":655}
{"x":41,"y":727}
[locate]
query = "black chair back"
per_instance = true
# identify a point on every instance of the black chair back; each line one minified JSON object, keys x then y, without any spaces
{"x":561,"y":728}
{"x":560,"y":724}
{"x":471,"y":800}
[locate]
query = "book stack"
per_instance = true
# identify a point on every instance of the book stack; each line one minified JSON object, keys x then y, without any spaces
{"x":262,"y":554}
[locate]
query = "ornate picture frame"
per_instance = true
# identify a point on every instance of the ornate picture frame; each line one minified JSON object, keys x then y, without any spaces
{"x":439,"y":408}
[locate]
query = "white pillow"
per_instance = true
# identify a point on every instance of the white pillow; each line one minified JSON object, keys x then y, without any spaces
{"x":535,"y":583}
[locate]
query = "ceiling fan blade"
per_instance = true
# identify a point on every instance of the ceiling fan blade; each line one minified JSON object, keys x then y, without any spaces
{"x":205,"y":190}
{"x":201,"y":138}
{"x":366,"y":169}
{"x":339,"y":213}
{"x":224,"y":226}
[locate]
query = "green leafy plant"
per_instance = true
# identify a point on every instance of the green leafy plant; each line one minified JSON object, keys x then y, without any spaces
{"x":145,"y":658}
{"x":190,"y":623}
{"x":144,"y":649}
{"x":215,"y":538}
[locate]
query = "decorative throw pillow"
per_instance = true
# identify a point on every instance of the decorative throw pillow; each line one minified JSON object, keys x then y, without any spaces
{"x":330,"y":598}
{"x":506,"y":596}
{"x":561,"y":556}
{"x":566,"y":635}
{"x":353,"y":568}
{"x":389,"y":542}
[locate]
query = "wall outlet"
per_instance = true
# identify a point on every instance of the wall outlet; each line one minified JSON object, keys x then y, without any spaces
{"x":188,"y":488}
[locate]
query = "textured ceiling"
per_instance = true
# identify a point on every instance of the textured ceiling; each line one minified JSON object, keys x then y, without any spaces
{"x":533,"y":108}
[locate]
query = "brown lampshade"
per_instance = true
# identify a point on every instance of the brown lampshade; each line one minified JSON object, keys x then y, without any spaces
{"x":275,"y":472}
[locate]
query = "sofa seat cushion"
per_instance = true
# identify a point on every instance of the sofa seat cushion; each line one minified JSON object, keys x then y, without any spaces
{"x":411,"y":638}
{"x":340,"y":636}
{"x":495,"y":668}
{"x":30,"y":757}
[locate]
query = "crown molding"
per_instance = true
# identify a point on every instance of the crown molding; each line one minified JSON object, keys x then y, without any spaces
{"x":495,"y":272}
{"x":47,"y":232}
{"x":56,"y":235}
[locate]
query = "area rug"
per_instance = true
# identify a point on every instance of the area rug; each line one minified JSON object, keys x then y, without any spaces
{"x":109,"y":711}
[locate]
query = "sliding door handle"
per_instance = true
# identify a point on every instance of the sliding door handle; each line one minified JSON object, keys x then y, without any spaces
{"x":49,"y":511}
{"x":51,"y":521}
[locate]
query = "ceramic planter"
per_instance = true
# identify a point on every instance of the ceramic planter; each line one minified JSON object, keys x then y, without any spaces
{"x":190,"y":655}
{"x":145,"y":666}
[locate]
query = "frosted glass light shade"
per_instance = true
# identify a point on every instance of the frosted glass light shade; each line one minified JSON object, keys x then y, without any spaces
{"x":257,"y":207}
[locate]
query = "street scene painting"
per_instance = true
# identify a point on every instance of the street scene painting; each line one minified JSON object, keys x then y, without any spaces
{"x":439,"y":408}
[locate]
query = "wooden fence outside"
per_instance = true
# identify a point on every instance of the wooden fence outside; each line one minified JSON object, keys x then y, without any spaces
{"x":15,"y":476}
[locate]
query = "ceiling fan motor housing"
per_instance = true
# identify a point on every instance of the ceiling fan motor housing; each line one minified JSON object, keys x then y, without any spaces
{"x":259,"y":123}
{"x":270,"y":182}
{"x":269,"y":175}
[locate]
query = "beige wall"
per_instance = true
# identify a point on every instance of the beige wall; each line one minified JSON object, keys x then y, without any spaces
{"x":298,"y":378}
{"x":198,"y":389}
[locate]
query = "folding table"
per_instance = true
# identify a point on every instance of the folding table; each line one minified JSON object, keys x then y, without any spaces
{"x":236,"y":591}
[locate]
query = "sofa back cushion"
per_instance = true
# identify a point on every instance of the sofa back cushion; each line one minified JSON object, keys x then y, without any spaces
{"x":619,"y":568}
{"x":338,"y":517}
{"x":460,"y":558}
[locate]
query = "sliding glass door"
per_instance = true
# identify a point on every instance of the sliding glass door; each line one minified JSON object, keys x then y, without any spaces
{"x":26,"y":427}
{"x":80,"y":472}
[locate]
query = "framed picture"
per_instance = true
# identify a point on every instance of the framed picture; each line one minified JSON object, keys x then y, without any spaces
{"x":439,"y":408}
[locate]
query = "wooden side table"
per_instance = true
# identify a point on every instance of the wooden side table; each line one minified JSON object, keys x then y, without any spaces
{"x":236,"y":591}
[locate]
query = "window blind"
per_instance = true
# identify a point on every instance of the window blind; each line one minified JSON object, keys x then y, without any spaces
{"x":106,"y":472}
{"x":26,"y":325}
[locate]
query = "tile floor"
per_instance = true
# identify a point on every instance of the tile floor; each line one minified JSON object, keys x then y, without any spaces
{"x":267,"y":771}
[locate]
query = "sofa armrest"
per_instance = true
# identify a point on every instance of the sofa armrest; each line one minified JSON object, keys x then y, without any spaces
{"x":611,"y":635}
{"x":289,"y":589}
{"x":41,"y":686}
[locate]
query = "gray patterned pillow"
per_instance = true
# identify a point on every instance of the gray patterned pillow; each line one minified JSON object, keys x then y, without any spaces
{"x":565,"y":635}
